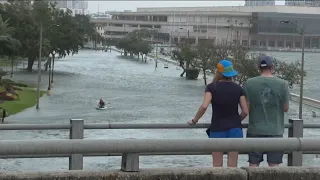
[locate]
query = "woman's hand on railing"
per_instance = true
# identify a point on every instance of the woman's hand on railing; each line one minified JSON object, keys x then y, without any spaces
{"x":192,"y":122}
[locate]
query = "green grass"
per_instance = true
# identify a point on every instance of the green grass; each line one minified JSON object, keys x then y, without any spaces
{"x":27,"y":99}
{"x":5,"y":62}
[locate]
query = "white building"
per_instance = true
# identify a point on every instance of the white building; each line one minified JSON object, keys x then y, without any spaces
{"x":260,"y":3}
{"x":310,"y":3}
{"x":77,"y":6}
{"x":248,"y":25}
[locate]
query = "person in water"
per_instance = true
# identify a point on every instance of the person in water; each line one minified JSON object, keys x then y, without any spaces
{"x":4,"y":114}
{"x":101,"y":103}
{"x":225,"y":96}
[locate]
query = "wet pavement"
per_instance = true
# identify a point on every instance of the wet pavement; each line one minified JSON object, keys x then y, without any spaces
{"x":137,"y":93}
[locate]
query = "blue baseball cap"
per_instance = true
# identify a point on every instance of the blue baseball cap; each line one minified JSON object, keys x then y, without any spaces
{"x":225,"y":67}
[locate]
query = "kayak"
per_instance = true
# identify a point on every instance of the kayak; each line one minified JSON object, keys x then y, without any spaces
{"x":98,"y":108}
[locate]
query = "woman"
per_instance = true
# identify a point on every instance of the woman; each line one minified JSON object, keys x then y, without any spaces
{"x":225,"y":96}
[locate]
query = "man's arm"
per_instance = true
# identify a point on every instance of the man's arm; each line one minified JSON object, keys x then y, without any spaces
{"x":246,"y":94}
{"x":286,"y":98}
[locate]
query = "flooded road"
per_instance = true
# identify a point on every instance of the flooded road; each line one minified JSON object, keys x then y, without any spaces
{"x":137,"y":93}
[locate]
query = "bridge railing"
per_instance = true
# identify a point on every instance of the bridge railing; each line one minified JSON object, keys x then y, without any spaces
{"x":130,"y":152}
{"x":307,"y":101}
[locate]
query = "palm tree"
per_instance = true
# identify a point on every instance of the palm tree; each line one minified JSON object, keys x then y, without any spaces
{"x":8,"y":46}
{"x":4,"y":32}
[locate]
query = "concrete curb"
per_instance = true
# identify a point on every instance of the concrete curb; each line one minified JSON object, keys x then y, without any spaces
{"x":144,"y":174}
{"x":285,"y":173}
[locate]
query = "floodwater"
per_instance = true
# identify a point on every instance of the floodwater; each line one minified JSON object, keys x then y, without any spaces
{"x":137,"y":93}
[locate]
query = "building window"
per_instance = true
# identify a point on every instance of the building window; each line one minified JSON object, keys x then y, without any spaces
{"x":280,"y":44}
{"x":253,"y":42}
{"x":245,"y":42}
{"x":271,"y":43}
{"x":145,"y":26}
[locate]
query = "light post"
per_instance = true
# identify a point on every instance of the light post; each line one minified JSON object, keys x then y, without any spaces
{"x":302,"y":33}
{"x":39,"y":62}
{"x":49,"y":88}
{"x":50,"y":71}
{"x":52,"y":68}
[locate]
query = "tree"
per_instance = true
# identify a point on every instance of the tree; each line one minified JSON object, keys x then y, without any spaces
{"x":26,"y":19}
{"x":135,"y":43}
{"x":18,"y":14}
{"x":185,"y":55}
{"x":85,"y":27}
{"x":288,"y":71}
{"x":206,"y":58}
{"x":245,"y":63}
{"x":144,"y":48}
{"x":122,"y":45}
{"x":8,"y":46}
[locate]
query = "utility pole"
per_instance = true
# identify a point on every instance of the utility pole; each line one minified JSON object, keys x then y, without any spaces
{"x":156,"y":51}
{"x":302,"y":70}
{"x":97,"y":30}
{"x":49,"y":83}
{"x":39,"y":67}
{"x":302,"y":33}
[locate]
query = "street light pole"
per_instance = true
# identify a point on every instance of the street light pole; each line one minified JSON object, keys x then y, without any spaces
{"x":52,"y":70}
{"x":39,"y":66}
{"x":302,"y":70}
{"x":49,"y":85}
{"x":302,"y":33}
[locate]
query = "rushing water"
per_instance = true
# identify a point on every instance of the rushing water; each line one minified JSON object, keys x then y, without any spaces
{"x":137,"y":94}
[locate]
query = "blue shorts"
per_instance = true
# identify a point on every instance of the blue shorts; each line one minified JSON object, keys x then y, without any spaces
{"x":231,"y":133}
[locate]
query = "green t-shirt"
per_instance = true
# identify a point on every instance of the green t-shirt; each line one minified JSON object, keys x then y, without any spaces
{"x":266,"y":97}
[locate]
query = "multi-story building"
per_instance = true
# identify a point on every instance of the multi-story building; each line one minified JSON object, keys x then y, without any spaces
{"x":77,"y":6}
{"x":260,"y":3}
{"x":311,"y":3}
{"x":253,"y":26}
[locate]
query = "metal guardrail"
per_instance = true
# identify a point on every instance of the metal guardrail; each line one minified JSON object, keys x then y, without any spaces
{"x":130,"y":160}
{"x":307,"y":101}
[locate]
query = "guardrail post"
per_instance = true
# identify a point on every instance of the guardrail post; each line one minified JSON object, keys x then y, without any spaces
{"x":76,"y":132}
{"x":130,"y":162}
{"x":296,"y":130}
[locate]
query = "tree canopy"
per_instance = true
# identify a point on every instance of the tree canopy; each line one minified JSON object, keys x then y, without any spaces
{"x":9,"y":46}
{"x":137,"y":43}
{"x":205,"y":57}
{"x":62,"y":32}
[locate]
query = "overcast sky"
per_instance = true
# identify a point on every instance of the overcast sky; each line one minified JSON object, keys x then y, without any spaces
{"x":132,"y":5}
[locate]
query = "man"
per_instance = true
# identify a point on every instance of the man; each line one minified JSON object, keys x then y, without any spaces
{"x":268,"y":99}
{"x":4,"y":114}
{"x":101,"y":103}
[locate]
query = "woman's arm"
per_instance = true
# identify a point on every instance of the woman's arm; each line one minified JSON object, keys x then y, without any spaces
{"x":202,"y":109}
{"x":244,"y":107}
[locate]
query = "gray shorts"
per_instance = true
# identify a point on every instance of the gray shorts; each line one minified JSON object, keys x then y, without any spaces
{"x":272,"y":157}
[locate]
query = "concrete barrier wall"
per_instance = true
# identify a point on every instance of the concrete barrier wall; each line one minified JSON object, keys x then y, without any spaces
{"x":292,"y":173}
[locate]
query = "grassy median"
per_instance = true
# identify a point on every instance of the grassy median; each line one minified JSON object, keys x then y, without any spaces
{"x":5,"y":62}
{"x":27,"y":99}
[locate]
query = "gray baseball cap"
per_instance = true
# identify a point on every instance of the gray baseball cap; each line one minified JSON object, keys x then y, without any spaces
{"x":265,"y":61}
